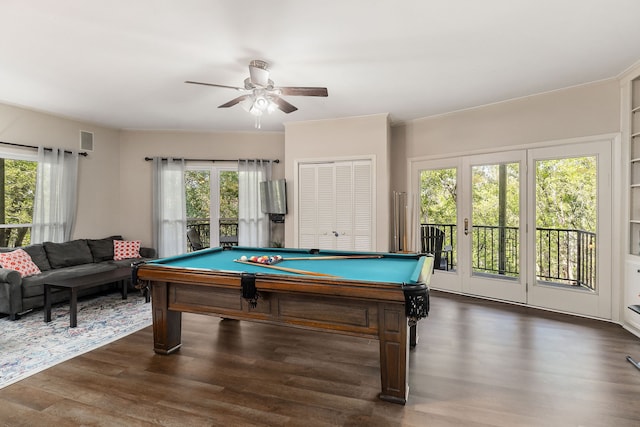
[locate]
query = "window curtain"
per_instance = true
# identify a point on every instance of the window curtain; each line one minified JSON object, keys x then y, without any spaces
{"x":55,"y":203}
{"x":169,"y":207}
{"x":253,"y":225}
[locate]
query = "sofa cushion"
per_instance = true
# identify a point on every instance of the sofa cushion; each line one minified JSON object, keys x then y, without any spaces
{"x":102,"y":249}
{"x":68,"y":254}
{"x":39,"y":256}
{"x":19,"y":261}
{"x":125,"y":249}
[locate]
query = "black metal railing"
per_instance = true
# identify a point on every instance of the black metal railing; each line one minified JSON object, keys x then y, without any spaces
{"x":228,"y":227}
{"x":563,"y":256}
{"x":495,"y":250}
{"x":566,"y":256}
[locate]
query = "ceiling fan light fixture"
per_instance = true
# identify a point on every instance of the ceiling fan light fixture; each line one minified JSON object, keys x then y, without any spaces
{"x":271,"y":107}
{"x":246,"y":104}
{"x":261,"y":103}
{"x":257,"y":105}
{"x":255,"y":110}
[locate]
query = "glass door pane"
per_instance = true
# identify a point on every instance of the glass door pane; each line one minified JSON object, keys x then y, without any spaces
{"x":228,"y":208}
{"x":438,"y":216}
{"x":495,"y":248}
{"x":198,"y":199}
{"x":566,"y":221}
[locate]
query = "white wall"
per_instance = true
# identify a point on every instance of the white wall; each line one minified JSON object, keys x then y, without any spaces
{"x":342,"y":138}
{"x":135,"y":183}
{"x":98,"y":173}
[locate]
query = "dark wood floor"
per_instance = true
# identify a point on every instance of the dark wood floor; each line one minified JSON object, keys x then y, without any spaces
{"x":478,"y":363}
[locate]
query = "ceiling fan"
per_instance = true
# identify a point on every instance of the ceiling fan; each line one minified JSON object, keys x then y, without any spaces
{"x":262,"y":95}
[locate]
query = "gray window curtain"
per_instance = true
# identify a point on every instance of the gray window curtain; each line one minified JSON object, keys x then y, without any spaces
{"x":55,"y":203}
{"x":253,"y":225}
{"x":169,"y":207}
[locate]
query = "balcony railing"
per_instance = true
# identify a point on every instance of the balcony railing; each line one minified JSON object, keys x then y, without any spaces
{"x":563,"y":256}
{"x":228,"y":231}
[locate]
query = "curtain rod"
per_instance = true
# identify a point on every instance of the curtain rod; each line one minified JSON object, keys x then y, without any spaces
{"x":83,"y":153}
{"x":148,"y":159}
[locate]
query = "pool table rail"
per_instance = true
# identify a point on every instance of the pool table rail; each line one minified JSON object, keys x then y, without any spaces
{"x":379,"y":291}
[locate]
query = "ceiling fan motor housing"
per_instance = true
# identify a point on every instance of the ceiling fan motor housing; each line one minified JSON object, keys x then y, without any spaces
{"x":259,"y":73}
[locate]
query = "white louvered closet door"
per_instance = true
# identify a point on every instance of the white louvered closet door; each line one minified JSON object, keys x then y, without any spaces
{"x":343,"y":219}
{"x":307,"y":212}
{"x":362,"y":206}
{"x":335,"y":205}
{"x":325,"y":206}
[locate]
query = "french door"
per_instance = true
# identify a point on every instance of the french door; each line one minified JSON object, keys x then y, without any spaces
{"x":493,"y":225}
{"x":572,"y":188}
{"x":212,"y":203}
{"x":527,"y":226}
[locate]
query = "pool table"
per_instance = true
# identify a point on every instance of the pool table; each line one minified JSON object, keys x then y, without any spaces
{"x":373,"y":295}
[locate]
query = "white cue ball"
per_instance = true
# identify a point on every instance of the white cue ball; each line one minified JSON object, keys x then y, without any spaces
{"x":243,"y":258}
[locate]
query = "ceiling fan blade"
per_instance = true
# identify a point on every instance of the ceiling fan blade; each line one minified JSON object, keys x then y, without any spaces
{"x":214,"y":85}
{"x":284,"y":105}
{"x":304,"y":91}
{"x":234,"y":101}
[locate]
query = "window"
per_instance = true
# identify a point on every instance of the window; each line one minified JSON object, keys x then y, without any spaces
{"x":18,"y":188}
{"x":212,"y":205}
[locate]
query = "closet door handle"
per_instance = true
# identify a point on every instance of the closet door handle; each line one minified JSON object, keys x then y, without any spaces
{"x":466,"y":226}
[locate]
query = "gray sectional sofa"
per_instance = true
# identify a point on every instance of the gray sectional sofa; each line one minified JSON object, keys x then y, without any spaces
{"x":59,"y":261}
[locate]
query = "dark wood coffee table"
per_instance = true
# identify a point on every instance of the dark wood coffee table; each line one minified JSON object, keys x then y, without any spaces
{"x":120,"y":275}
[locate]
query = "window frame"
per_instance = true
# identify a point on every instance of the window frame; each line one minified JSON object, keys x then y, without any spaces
{"x":10,"y":153}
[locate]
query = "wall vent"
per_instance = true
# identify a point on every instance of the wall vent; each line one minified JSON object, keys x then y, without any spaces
{"x":86,"y":140}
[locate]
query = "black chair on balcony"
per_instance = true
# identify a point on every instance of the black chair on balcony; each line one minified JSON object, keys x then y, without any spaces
{"x":432,"y":243}
{"x":193,"y":236}
{"x":228,"y":232}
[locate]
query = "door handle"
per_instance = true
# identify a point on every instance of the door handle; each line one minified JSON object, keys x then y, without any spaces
{"x":335,"y":233}
{"x":466,"y":226}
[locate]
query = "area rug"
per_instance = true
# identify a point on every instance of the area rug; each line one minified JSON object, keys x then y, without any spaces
{"x":29,"y":345}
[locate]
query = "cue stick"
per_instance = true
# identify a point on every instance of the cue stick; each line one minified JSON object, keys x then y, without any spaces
{"x":320,"y":258}
{"x":290,"y":270}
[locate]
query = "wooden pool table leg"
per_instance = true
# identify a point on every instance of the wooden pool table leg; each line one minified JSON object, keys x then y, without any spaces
{"x":413,"y":336}
{"x":394,"y":353}
{"x":167,"y":324}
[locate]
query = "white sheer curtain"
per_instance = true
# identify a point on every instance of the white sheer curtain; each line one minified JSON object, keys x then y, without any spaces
{"x":55,"y":203}
{"x":253,"y":225}
{"x":169,"y":207}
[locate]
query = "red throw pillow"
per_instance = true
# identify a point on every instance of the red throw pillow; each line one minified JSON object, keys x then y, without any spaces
{"x":20,"y":261}
{"x":124,"y":249}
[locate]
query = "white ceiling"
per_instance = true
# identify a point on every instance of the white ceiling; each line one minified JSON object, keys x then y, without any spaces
{"x":123,"y":63}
